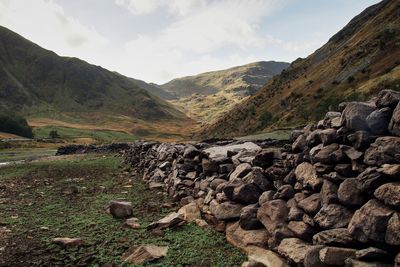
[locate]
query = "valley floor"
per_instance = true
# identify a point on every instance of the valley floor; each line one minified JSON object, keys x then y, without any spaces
{"x":66,"y":197}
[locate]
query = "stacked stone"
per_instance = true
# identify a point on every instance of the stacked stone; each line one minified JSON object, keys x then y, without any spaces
{"x":330,"y":199}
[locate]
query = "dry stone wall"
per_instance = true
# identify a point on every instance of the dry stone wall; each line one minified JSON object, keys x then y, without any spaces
{"x":330,"y":198}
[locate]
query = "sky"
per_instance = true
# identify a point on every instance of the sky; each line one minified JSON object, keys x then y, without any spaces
{"x":158,"y":40}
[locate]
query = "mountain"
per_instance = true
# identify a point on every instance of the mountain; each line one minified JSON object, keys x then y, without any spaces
{"x":357,"y":62}
{"x":207,"y":95}
{"x":43,"y":86}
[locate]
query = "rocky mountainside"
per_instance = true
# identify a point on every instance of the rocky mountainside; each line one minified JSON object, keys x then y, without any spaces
{"x":329,"y":198}
{"x":205,"y":96}
{"x":360,"y":60}
{"x":39,"y":83}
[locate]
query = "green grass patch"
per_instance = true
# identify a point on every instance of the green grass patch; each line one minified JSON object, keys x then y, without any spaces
{"x":33,"y":200}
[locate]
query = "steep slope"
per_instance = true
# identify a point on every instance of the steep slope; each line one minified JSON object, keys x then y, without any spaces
{"x":207,"y":95}
{"x":358,"y":61}
{"x":38,"y":83}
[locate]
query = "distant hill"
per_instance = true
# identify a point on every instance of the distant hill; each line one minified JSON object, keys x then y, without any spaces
{"x":360,"y":60}
{"x":207,"y":95}
{"x":38,"y":83}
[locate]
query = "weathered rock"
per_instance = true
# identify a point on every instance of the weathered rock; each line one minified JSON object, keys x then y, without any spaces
{"x":307,"y":176}
{"x":221,"y":151}
{"x":329,"y":154}
{"x":263,"y":158}
{"x":144,"y":253}
{"x":370,"y":179}
{"x":216,"y":182}
{"x":312,"y":258}
{"x":295,"y":214}
{"x":333,"y":216}
{"x":397,"y":260}
{"x":350,"y":152}
{"x":257,"y":178}
{"x":344,"y":170}
{"x":191,"y":152}
{"x":334,"y":237}
{"x":313,"y":138}
{"x":266,"y":257}
{"x":68,"y":242}
{"x":360,"y":139}
{"x":301,"y":230}
{"x":248,"y":218}
{"x":226,"y":168}
{"x":272,"y":213}
{"x":371,"y":254}
{"x":226,"y":210}
{"x":355,"y":114}
{"x":299,"y":144}
{"x":369,"y":223}
{"x":311,"y":204}
{"x":266,"y":196}
{"x":392,"y":170}
{"x":389,"y":194}
{"x":385,"y":150}
{"x":252,"y":264}
{"x":209,"y":166}
{"x":335,"y":255}
{"x":387,"y":98}
{"x":349,"y":194}
{"x":378,"y":121}
{"x":394,"y":125}
{"x":132,"y":223}
{"x":121,"y":209}
{"x":230,"y":187}
{"x":246,"y":193}
{"x":171,"y":220}
{"x":356,"y":263}
{"x":329,"y":192}
{"x":240,"y":171}
{"x":190,"y":212}
{"x":328,"y":136}
{"x":392,"y":236}
{"x":285,"y":192}
{"x":243,"y":238}
{"x":295,"y":249}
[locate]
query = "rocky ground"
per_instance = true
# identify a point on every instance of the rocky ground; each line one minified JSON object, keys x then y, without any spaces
{"x":330,"y":198}
{"x":56,"y":212}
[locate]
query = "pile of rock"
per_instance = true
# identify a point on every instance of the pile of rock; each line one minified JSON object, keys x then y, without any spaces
{"x":331,"y":198}
{"x":81,"y":149}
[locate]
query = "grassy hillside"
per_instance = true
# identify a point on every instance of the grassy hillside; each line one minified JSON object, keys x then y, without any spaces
{"x":360,"y":60}
{"x":38,"y":83}
{"x":206,"y":96}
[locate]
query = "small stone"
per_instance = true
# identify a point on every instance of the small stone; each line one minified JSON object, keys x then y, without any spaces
{"x":132,"y":223}
{"x":144,"y":253}
{"x":295,"y":249}
{"x":171,"y":220}
{"x":121,"y":209}
{"x":371,"y":254}
{"x":68,"y":242}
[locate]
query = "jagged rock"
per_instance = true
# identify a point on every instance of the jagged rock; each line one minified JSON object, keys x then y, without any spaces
{"x":335,"y":255}
{"x":295,"y":214}
{"x":308,"y":220}
{"x":155,"y":185}
{"x":121,"y":209}
{"x":243,"y":238}
{"x":311,"y":204}
{"x":132,"y":223}
{"x":378,"y":121}
{"x":333,"y":216}
{"x":240,"y":171}
{"x":272,"y":213}
{"x":322,"y":168}
{"x":350,"y":152}
{"x":248,"y":218}
{"x":285,"y":192}
{"x":334,"y":177}
{"x":329,"y":192}
{"x":389,"y":194}
{"x":371,"y":254}
{"x":307,"y":176}
{"x":349,"y":194}
{"x":356,"y":263}
{"x":394,"y":125}
{"x":299,"y":144}
{"x":263,"y":158}
{"x":313,"y":139}
{"x":344,"y":169}
{"x":369,"y":223}
{"x":252,"y":264}
{"x":361,"y":139}
{"x":329,"y":154}
{"x":266,"y":196}
{"x":144,"y":253}
{"x":190,"y":212}
{"x":216,"y":182}
{"x":229,"y":187}
{"x":355,"y":114}
{"x":392,"y":236}
{"x":209,"y":166}
{"x":266,"y":257}
{"x":387,"y":98}
{"x":226,"y":210}
{"x":392,"y":170}
{"x":334,"y":237}
{"x":301,"y":229}
{"x":191,"y":152}
{"x":328,"y":136}
{"x":370,"y":179}
{"x":385,"y":150}
{"x":68,"y":242}
{"x":246,"y":193}
{"x":257,"y":178}
{"x":312,"y":258}
{"x":221,"y":151}
{"x":226,"y":168}
{"x":171,"y":220}
{"x":295,"y":249}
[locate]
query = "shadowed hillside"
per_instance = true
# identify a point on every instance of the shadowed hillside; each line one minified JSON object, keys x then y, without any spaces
{"x":358,"y":61}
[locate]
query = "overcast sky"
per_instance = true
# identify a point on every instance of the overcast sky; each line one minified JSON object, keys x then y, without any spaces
{"x":157,"y":40}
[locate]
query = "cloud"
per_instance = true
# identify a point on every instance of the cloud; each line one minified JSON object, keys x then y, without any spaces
{"x":45,"y":22}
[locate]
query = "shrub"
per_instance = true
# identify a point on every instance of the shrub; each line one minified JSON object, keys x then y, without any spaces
{"x":15,"y":124}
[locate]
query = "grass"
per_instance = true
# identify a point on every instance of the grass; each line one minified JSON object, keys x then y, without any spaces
{"x":74,"y":133}
{"x":278,"y":134}
{"x":16,"y":154}
{"x":31,"y":198}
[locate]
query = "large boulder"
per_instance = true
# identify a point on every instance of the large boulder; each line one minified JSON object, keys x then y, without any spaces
{"x":222,"y":151}
{"x":294,"y":249}
{"x":307,"y":175}
{"x":257,"y":178}
{"x":242,"y":238}
{"x":383,"y":150}
{"x":248,"y":218}
{"x":370,"y":179}
{"x":329,"y":192}
{"x":263,"y":158}
{"x":311,"y":204}
{"x":265,"y":257}
{"x":354,"y":116}
{"x":349,"y":193}
{"x":302,"y":230}
{"x":369,"y":223}
{"x":394,"y":125}
{"x":387,"y":98}
{"x":246,"y":193}
{"x":333,"y":216}
{"x":336,"y":256}
{"x":272,"y":214}
{"x":378,"y":121}
{"x":144,"y":253}
{"x":334,"y":237}
{"x":392,"y":236}
{"x":240,"y":171}
{"x":389,"y":194}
